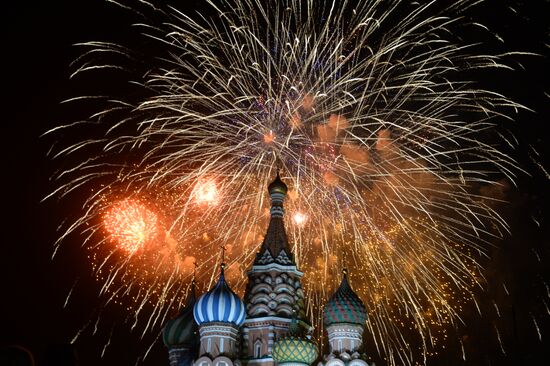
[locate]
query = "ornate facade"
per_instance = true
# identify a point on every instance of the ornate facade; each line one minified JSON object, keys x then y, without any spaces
{"x":270,"y":327}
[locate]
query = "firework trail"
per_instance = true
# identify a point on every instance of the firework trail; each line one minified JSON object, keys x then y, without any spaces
{"x":371,"y":113}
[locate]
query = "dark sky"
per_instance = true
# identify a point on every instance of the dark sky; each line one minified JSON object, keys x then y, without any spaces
{"x":37,"y":50}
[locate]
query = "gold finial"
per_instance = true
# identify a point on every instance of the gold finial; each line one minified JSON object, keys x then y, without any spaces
{"x":344,"y":266}
{"x":223,"y":254}
{"x":195,"y":265}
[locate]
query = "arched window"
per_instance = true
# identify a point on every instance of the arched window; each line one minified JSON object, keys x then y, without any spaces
{"x":258,"y":349}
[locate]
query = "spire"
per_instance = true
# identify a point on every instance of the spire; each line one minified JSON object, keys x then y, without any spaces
{"x":275,"y":240}
{"x":222,"y":265}
{"x":192,"y":296}
{"x":345,"y":275}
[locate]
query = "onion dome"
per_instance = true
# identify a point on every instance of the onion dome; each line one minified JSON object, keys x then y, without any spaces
{"x":277,"y":186}
{"x":220,"y":305}
{"x":294,"y":349}
{"x":344,"y":306}
{"x":183,"y":330}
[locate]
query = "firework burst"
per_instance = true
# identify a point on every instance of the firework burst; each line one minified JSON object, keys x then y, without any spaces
{"x":130,"y":225}
{"x":368,"y":110}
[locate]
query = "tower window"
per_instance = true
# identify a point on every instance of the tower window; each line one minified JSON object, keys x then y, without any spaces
{"x":258,"y":349}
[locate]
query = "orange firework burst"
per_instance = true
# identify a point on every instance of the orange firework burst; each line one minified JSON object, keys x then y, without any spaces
{"x":390,"y":152}
{"x":299,"y":218}
{"x":131,"y":224}
{"x":269,"y":137}
{"x":206,"y":192}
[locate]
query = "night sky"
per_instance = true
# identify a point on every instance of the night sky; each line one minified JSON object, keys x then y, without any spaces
{"x":37,"y":51}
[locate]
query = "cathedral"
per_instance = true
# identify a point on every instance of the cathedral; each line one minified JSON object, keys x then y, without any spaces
{"x":269,"y":326}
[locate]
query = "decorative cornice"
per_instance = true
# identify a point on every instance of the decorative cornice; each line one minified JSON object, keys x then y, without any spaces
{"x":210,"y":361}
{"x":259,"y":360}
{"x":268,"y":267}
{"x":274,"y":321}
{"x":344,"y":328}
{"x":218,"y":330}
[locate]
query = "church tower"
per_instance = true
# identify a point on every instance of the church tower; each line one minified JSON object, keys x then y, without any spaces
{"x":274,"y":291}
{"x":269,"y":328}
{"x":181,"y":334}
{"x":344,"y":318}
{"x":219,"y":313}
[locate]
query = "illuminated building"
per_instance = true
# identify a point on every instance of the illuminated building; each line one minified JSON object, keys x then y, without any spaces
{"x":269,"y":327}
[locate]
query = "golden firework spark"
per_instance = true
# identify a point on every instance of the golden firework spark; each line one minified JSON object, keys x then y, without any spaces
{"x":369,"y":115}
{"x":130,"y":225}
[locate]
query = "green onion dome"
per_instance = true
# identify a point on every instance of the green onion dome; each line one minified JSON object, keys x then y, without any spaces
{"x":182,"y":331}
{"x":295,"y":349}
{"x":344,"y":306}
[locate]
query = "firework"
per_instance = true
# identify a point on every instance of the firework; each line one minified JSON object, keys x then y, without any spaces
{"x":299,"y":219}
{"x":368,"y":111}
{"x":130,"y":225}
{"x":205,"y":192}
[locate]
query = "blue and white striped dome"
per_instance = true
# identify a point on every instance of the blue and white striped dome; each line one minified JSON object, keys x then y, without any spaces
{"x":220,"y":304}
